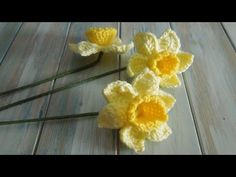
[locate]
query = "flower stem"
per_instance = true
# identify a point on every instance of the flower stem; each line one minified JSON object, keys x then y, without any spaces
{"x":65,"y":117}
{"x":70,"y":85}
{"x":60,"y":75}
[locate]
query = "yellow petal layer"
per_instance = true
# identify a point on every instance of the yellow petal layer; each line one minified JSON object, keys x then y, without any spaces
{"x":119,"y":91}
{"x":160,"y":132}
{"x":84,"y":48}
{"x":146,"y":83}
{"x":167,"y":98}
{"x":136,"y":64}
{"x":118,"y":48}
{"x":186,"y":59}
{"x":113,"y":116}
{"x":132,"y":138}
{"x":145,"y":43}
{"x":171,"y":82}
{"x":169,"y":41}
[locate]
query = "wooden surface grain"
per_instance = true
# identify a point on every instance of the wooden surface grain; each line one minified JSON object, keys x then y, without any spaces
{"x":211,"y":85}
{"x":203,"y":119}
{"x":34,"y":54}
{"x":8,"y":32}
{"x":230,"y":29}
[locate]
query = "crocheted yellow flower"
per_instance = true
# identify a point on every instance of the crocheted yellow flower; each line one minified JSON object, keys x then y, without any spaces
{"x":100,"y":40}
{"x":138,"y":110}
{"x":162,"y":56}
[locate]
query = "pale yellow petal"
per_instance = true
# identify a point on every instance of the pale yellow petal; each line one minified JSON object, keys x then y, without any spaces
{"x":146,"y":83}
{"x":117,"y":41}
{"x":168,"y":99}
{"x":145,"y":43}
{"x":171,"y":82}
{"x":132,"y":138}
{"x":186,"y":59}
{"x":113,"y":116}
{"x":160,"y":133}
{"x":136,"y":64}
{"x":84,"y":48}
{"x":118,"y":48}
{"x":169,"y":41}
{"x":119,"y":91}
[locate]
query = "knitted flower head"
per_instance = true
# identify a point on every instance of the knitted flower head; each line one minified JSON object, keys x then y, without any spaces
{"x":100,"y":40}
{"x":139,"y":110}
{"x":162,"y":56}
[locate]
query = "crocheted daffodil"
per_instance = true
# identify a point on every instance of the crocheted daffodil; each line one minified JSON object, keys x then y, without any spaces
{"x":100,"y":40}
{"x":162,"y":56}
{"x":138,"y":110}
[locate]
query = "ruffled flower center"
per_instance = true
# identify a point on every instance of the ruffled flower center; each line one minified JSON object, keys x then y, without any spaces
{"x":101,"y":36}
{"x":145,"y":112}
{"x":164,"y":64}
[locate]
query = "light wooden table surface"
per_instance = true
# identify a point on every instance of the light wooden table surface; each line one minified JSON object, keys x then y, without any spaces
{"x":203,"y":119}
